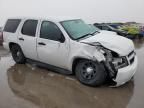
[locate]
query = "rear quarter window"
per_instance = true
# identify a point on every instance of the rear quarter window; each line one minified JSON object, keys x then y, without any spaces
{"x":12,"y":25}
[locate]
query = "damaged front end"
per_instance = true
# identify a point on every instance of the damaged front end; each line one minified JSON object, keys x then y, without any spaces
{"x":112,"y":62}
{"x":119,"y":68}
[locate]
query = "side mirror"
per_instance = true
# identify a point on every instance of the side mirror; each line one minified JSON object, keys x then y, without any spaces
{"x":61,"y":39}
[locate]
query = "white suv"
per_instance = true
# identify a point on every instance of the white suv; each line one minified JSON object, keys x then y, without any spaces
{"x":72,"y":46}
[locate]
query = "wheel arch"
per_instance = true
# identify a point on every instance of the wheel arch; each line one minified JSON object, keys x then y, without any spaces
{"x":75,"y":61}
{"x":13,"y":43}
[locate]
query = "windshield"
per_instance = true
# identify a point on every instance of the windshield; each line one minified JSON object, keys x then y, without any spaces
{"x":78,"y":29}
{"x":94,"y":27}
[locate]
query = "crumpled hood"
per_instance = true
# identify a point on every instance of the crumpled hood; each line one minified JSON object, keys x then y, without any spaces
{"x":108,"y":32}
{"x":116,"y":43}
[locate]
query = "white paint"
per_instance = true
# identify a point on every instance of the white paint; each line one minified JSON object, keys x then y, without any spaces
{"x":116,"y":43}
{"x":125,"y":74}
{"x":63,"y":54}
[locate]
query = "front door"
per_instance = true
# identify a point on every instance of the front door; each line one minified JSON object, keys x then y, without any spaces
{"x":51,"y":45}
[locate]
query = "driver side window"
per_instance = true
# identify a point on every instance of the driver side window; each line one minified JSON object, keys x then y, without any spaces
{"x":50,"y":31}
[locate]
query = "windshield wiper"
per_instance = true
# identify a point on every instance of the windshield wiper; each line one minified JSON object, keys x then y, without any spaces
{"x":95,"y":32}
{"x":88,"y":34}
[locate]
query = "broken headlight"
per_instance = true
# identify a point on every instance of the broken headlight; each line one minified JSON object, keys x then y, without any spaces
{"x":120,"y":62}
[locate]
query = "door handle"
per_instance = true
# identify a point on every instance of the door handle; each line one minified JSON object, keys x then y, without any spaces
{"x":41,"y":43}
{"x":21,"y":39}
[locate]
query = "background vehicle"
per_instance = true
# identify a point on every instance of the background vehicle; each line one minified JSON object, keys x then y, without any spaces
{"x":142,"y":31}
{"x":115,"y":25}
{"x":103,"y":31}
{"x":71,"y":46}
{"x":1,"y":36}
{"x":132,"y":30}
{"x":111,"y":27}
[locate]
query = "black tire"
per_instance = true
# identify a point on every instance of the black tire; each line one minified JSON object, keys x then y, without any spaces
{"x":96,"y":78}
{"x":17,"y":54}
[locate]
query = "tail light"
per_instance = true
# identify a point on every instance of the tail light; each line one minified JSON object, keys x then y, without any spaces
{"x":1,"y":37}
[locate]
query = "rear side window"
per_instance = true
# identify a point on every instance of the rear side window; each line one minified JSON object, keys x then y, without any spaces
{"x":12,"y":25}
{"x":29,"y":27}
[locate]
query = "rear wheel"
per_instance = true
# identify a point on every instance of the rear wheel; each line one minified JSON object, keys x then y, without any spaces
{"x":17,"y":54}
{"x":90,"y":73}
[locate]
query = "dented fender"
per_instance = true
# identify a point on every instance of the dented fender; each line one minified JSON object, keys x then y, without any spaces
{"x":91,"y":52}
{"x":86,"y":52}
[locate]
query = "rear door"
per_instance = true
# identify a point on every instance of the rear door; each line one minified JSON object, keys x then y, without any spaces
{"x":10,"y":32}
{"x":27,"y":38}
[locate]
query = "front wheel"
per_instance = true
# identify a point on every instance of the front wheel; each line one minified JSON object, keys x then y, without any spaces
{"x":90,"y":73}
{"x":17,"y":54}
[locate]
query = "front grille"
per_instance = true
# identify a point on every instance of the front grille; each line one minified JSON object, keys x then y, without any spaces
{"x":131,"y":57}
{"x":130,"y":53}
{"x":132,"y":60}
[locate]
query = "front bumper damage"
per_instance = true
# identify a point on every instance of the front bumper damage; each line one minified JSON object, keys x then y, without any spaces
{"x":120,"y":67}
{"x":126,"y":73}
{"x":121,"y":75}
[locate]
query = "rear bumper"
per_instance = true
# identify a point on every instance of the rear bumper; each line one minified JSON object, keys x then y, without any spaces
{"x":126,"y":73}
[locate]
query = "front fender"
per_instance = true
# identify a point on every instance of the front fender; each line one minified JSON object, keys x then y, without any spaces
{"x":93,"y":55}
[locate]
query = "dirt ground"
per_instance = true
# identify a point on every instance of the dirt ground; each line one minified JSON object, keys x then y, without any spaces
{"x":28,"y":86}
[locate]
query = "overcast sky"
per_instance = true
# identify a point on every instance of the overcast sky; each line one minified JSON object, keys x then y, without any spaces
{"x":89,"y":10}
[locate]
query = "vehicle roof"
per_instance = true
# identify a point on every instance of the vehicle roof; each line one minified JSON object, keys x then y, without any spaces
{"x":54,"y":19}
